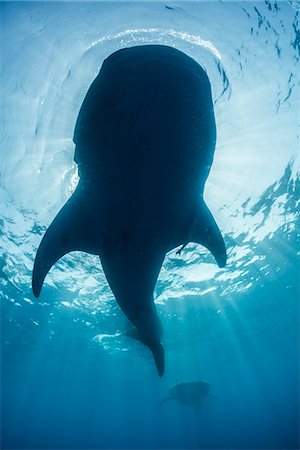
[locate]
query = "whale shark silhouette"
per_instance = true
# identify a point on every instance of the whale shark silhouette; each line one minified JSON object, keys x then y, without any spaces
{"x":145,"y":138}
{"x":189,"y":393}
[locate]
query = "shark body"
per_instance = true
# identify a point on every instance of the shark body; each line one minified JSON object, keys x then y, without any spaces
{"x":189,"y":393}
{"x":145,"y":138}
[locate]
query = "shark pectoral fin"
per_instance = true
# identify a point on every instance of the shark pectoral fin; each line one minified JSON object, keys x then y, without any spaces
{"x":72,"y":229}
{"x":165,"y":400}
{"x":206,"y":232}
{"x":212,"y":395}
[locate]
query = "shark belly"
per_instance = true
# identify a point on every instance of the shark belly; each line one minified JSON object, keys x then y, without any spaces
{"x":145,"y":138}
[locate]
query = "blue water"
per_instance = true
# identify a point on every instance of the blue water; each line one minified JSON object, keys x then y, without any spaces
{"x":70,"y":378}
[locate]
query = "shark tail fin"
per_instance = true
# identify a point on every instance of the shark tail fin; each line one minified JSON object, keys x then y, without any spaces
{"x":156,"y":348}
{"x":206,"y":232}
{"x":159,"y":357}
{"x":70,"y":230}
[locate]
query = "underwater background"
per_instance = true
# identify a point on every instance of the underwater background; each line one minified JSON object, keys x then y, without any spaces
{"x":70,"y":377}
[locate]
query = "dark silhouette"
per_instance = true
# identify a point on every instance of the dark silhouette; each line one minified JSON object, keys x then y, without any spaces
{"x":145,"y":138}
{"x":192,"y":393}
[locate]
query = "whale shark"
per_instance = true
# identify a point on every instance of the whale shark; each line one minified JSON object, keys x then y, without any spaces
{"x":189,"y":393}
{"x":144,"y":142}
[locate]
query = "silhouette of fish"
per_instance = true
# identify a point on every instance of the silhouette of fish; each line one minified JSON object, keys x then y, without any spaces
{"x":192,"y":393}
{"x":145,"y":138}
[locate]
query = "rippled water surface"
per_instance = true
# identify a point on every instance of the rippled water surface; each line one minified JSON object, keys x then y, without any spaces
{"x":71,"y":378}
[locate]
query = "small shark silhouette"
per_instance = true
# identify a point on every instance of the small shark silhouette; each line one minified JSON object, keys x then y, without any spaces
{"x":145,"y":138}
{"x":192,"y":393}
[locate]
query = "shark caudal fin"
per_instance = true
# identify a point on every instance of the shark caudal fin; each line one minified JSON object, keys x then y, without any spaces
{"x":206,"y":232}
{"x":156,"y":348}
{"x":72,"y":229}
{"x":158,"y":352}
